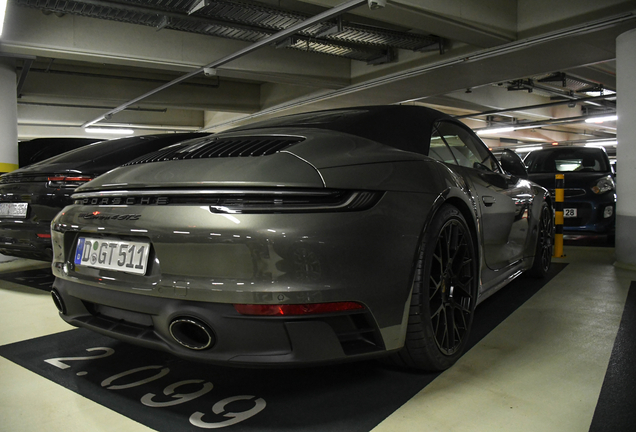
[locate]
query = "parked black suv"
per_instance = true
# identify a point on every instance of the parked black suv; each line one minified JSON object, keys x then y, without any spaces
{"x":30,"y":197}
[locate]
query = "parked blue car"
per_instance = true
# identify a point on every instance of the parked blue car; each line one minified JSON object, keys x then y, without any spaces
{"x":590,"y":187}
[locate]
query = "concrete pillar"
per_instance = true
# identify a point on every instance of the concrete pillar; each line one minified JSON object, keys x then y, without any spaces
{"x":626,"y":150}
{"x":8,"y":121}
{"x":8,"y":116}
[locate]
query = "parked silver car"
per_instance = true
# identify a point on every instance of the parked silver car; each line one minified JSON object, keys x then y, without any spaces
{"x":319,"y":237}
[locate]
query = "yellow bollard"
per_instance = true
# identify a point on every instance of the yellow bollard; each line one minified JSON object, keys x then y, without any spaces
{"x":559,"y":195}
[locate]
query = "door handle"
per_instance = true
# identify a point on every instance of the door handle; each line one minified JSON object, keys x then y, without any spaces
{"x":488,"y":200}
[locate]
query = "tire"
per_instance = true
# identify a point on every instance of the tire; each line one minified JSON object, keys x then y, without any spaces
{"x":444,"y":295}
{"x":545,"y":243}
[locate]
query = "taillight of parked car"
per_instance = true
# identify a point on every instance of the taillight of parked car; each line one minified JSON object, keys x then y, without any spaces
{"x":67,"y":182}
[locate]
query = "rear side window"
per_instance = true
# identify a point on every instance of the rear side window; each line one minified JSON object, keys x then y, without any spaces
{"x":440,"y":151}
{"x":462,"y":147}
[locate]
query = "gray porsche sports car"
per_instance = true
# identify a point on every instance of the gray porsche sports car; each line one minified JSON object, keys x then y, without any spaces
{"x":318,"y":237}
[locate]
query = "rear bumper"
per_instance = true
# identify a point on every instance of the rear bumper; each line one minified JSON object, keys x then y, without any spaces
{"x":20,"y":239}
{"x":19,"y":236}
{"x":237,"y":340}
{"x":201,"y":263}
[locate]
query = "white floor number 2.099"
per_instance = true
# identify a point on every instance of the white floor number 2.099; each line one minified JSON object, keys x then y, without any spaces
{"x":116,"y":382}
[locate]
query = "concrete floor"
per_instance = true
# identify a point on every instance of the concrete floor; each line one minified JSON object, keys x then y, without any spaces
{"x":542,"y":369}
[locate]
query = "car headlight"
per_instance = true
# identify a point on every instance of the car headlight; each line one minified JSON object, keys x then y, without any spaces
{"x":603,"y":185}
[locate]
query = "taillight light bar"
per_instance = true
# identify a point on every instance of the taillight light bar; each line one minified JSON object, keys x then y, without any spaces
{"x":296,"y":309}
{"x":237,"y":201}
{"x":290,"y":202}
{"x":67,"y":181}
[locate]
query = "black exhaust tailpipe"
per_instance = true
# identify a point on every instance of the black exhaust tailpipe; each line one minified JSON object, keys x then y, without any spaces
{"x":192,"y":333}
{"x":59,"y":303}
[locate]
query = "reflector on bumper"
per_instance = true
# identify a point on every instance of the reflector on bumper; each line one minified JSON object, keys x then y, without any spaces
{"x":296,"y":309}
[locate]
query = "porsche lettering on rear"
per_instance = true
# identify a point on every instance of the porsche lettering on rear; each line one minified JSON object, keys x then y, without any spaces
{"x":131,"y":200}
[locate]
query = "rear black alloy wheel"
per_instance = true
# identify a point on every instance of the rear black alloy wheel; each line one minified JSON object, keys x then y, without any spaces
{"x":444,"y":295}
{"x":545,"y":236}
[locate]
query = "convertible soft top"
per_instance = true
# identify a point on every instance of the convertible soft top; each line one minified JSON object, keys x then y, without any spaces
{"x":410,"y":126}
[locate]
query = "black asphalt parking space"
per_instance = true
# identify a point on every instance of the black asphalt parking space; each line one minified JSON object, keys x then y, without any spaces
{"x":169,"y":394}
{"x":616,"y":408}
{"x":41,"y":279}
{"x":588,"y":240}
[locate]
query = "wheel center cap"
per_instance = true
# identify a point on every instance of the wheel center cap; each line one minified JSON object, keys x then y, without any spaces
{"x":447,"y":287}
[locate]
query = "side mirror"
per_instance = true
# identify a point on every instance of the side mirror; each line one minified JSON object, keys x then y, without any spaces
{"x":512,"y":164}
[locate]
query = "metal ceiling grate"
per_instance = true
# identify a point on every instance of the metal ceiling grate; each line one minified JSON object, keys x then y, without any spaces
{"x":564,"y":81}
{"x":244,"y":21}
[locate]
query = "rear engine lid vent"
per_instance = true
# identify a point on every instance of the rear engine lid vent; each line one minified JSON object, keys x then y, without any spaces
{"x":205,"y":148}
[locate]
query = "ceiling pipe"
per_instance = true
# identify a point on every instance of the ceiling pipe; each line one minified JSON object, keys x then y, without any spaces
{"x":545,"y":105}
{"x":538,"y":124}
{"x":65,"y":105}
{"x":333,"y":12}
{"x":134,"y":126}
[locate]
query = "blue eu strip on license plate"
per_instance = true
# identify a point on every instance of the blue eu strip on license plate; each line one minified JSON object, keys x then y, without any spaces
{"x":79,"y":251}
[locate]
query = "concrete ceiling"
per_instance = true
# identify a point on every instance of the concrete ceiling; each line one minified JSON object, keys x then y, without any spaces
{"x":77,"y":60}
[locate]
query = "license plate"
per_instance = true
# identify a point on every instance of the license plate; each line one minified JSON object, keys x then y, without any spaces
{"x":109,"y":254}
{"x":14,"y":210}
{"x":569,"y":212}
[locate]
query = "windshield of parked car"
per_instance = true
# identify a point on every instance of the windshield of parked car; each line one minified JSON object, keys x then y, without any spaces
{"x":574,"y":159}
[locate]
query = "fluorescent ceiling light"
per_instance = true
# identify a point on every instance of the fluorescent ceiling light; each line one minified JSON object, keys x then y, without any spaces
{"x":520,"y":127}
{"x":527,"y":149}
{"x":601,"y":143}
{"x":109,"y":131}
{"x":495,"y":130}
{"x":3,"y":11}
{"x":604,"y":92}
{"x":601,"y":119}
